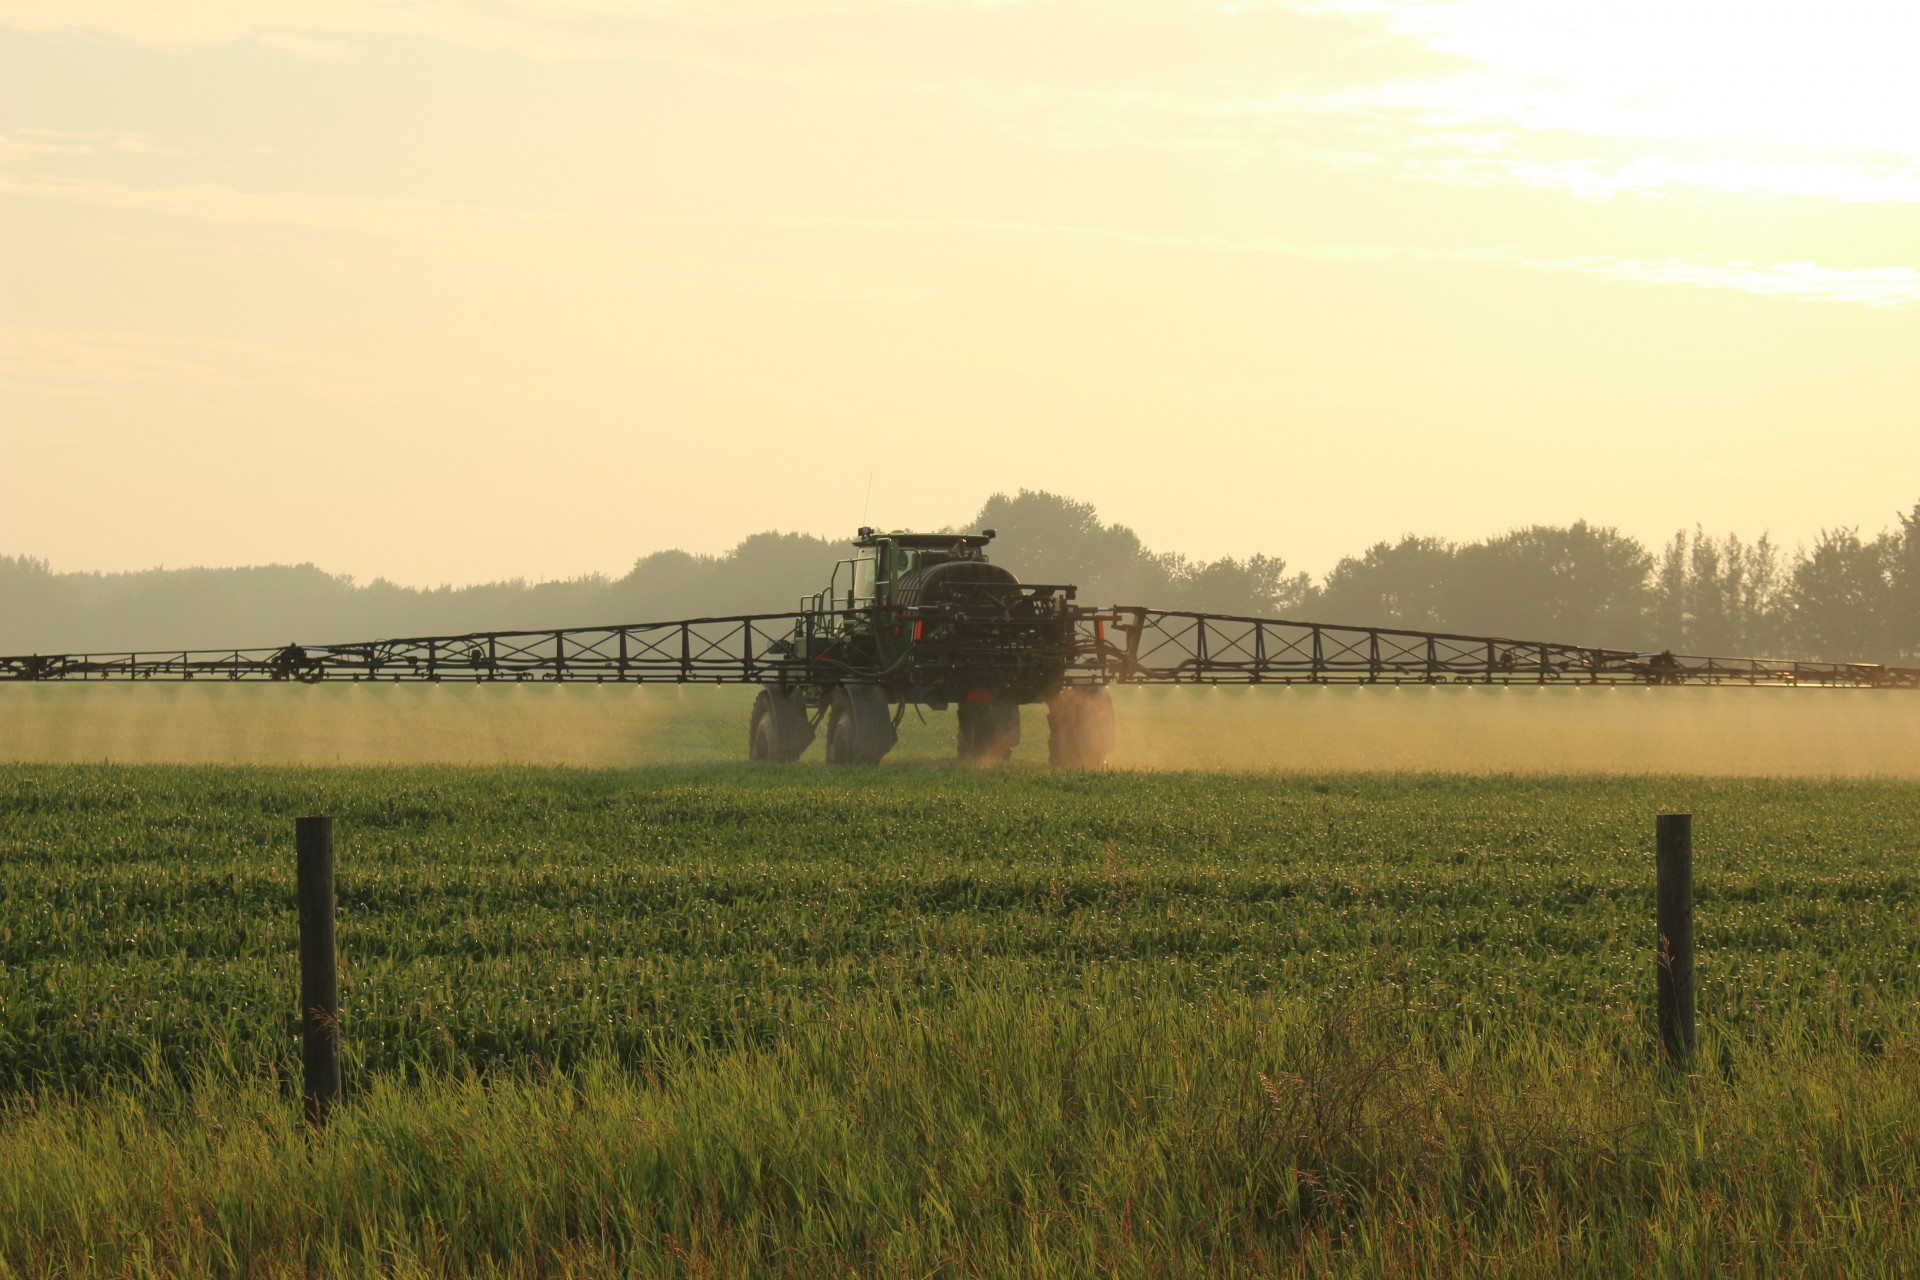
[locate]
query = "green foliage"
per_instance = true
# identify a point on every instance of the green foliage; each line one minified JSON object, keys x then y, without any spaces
{"x":1837,"y":594}
{"x":1581,"y":580}
{"x":1904,"y":584}
{"x":1043,"y":538}
{"x":1721,"y":596}
{"x":1402,"y":584}
{"x":942,"y":1021}
{"x":1048,"y":538}
{"x":1539,"y":582}
{"x":1847,"y":598}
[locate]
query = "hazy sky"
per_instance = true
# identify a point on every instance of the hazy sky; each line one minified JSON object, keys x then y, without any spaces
{"x":449,"y":291}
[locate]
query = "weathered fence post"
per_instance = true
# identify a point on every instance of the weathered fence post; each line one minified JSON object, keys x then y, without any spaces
{"x":1673,"y":973}
{"x":319,"y":980}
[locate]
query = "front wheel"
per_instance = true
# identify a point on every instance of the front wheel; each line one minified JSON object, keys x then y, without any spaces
{"x":1080,"y":728}
{"x":859,"y":725}
{"x":780,"y":731}
{"x":989,"y":731}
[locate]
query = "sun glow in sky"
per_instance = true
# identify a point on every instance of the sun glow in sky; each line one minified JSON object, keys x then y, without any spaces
{"x":450,"y":291}
{"x":1725,"y":94}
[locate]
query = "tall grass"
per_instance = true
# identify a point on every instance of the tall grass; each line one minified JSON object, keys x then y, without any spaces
{"x":1002,"y":1133}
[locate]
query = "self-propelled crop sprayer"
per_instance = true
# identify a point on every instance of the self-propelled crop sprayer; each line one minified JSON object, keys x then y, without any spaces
{"x":926,"y":619}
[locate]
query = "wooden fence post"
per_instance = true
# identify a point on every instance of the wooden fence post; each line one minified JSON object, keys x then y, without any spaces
{"x":1673,"y":972}
{"x":319,"y":979}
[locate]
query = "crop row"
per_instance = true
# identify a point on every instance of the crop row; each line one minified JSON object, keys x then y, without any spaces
{"x":510,"y":916}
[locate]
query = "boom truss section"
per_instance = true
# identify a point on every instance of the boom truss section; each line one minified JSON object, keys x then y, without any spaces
{"x":702,"y":650}
{"x":1149,"y":646}
{"x":1109,"y":646}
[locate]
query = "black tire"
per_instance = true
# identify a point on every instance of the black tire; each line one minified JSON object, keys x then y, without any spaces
{"x":1080,"y":728}
{"x":859,"y":725}
{"x":780,"y":731}
{"x":989,"y":731}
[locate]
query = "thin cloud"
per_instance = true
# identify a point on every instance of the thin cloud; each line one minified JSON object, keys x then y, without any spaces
{"x":1645,"y":96}
{"x":600,"y":242}
{"x":584,"y":29}
{"x":28,"y":143}
{"x":81,"y":362}
{"x":1398,"y":129}
{"x":1595,"y":102}
{"x":1870,"y":286}
{"x":305,"y":45}
{"x":20,"y":145}
{"x":471,"y":226}
{"x":1880,"y":287}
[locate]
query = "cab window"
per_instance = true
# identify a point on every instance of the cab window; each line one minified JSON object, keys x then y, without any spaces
{"x":863,"y":582}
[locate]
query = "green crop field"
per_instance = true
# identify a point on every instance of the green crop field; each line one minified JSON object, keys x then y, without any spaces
{"x":924,"y":1020}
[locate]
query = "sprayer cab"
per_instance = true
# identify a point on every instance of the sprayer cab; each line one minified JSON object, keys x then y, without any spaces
{"x":934,"y":614}
{"x":885,"y":561}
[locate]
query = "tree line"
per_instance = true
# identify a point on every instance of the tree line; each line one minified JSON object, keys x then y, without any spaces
{"x":1848,"y":596}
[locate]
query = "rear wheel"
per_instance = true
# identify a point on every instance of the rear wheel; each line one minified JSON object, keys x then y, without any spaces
{"x":989,"y":731}
{"x":1080,"y":728}
{"x":780,"y":731}
{"x":859,"y":725}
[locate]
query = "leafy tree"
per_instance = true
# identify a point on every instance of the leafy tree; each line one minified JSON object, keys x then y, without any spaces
{"x":1837,"y":597}
{"x":1258,"y":586}
{"x":1762,"y":597}
{"x":766,"y":573}
{"x":1392,"y":584}
{"x":1719,"y":596}
{"x":1582,"y":583}
{"x":1847,"y":598}
{"x":1904,"y":586}
{"x":1045,"y":537}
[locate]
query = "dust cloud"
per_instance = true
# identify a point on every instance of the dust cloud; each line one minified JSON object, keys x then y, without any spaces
{"x":1523,"y":729}
{"x":221,"y":723}
{"x":1793,"y":732}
